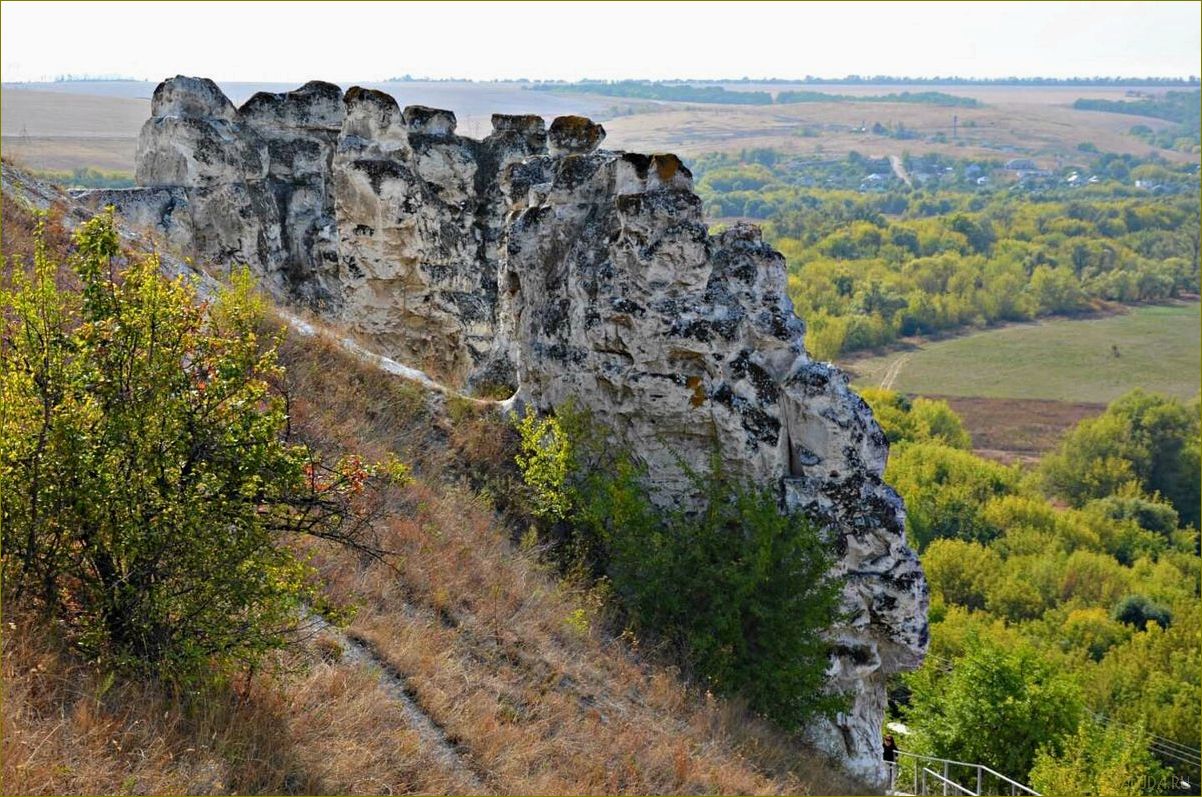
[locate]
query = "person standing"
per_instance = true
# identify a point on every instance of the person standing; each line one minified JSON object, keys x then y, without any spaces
{"x":889,"y":754}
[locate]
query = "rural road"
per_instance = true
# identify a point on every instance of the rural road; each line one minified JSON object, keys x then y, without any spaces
{"x":893,"y":370}
{"x":900,"y":170}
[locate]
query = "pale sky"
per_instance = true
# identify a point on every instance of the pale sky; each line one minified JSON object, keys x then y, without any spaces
{"x":297,"y":41}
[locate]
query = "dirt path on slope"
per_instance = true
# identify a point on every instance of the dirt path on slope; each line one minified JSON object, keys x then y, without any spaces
{"x":362,"y":653}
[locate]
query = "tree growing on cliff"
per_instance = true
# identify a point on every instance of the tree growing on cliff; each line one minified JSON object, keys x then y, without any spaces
{"x":145,"y":489}
{"x":733,"y":589}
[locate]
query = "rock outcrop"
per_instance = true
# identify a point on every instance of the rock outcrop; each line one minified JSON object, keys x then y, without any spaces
{"x":535,"y":261}
{"x":616,"y":296}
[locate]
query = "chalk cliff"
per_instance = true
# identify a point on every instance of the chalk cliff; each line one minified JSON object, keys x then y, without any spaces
{"x":534,"y":261}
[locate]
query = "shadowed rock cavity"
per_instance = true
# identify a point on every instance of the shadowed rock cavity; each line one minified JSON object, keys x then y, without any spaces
{"x":535,"y":261}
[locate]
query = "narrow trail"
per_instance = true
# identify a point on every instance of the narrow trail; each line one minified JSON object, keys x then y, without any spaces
{"x":362,"y":653}
{"x":894,"y":369}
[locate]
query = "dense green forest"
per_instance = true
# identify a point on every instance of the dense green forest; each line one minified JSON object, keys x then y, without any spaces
{"x":871,"y":264}
{"x":1065,"y":615}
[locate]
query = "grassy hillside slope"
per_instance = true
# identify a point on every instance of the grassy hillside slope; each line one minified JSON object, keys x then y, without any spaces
{"x":468,"y":667}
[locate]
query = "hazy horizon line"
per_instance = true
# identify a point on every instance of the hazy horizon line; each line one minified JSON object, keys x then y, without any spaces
{"x":815,"y":79}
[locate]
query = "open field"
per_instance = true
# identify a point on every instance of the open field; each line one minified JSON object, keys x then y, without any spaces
{"x":68,"y":154}
{"x":1020,"y":388}
{"x":1045,"y":131}
{"x":53,"y":131}
{"x":67,"y":125}
{"x":39,"y":114}
{"x":1058,"y":360}
{"x":1020,"y":430}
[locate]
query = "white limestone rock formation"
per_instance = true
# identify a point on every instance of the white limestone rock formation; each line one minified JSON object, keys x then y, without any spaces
{"x":300,"y":130}
{"x":195,"y":142}
{"x":616,"y":296}
{"x":536,"y":261}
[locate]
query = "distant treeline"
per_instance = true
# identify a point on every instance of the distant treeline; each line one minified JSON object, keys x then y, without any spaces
{"x":683,"y":92}
{"x":921,"y":97}
{"x":1176,"y":106}
{"x":86,"y":78}
{"x":1182,"y":107}
{"x":888,"y":80}
{"x":87,"y":177}
{"x":892,"y":80}
{"x":676,"y":92}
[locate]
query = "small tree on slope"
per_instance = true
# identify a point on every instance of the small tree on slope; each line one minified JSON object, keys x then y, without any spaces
{"x":145,"y":488}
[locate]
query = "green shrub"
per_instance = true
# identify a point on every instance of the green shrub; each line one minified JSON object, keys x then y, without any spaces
{"x":1137,"y":611}
{"x":145,"y":489}
{"x":961,"y":572}
{"x":735,"y":590}
{"x":946,"y":492}
{"x":1143,"y":440}
{"x":920,"y":420}
{"x":1134,"y":524}
{"x":544,"y":460}
{"x":1108,"y":759}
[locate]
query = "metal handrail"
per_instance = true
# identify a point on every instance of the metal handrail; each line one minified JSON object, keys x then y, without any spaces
{"x":946,"y":782}
{"x":1015,"y":786}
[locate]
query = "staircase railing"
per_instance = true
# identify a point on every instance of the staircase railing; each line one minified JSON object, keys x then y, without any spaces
{"x":917,"y":774}
{"x":948,"y":786}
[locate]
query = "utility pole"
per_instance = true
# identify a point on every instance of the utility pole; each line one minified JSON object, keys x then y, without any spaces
{"x":955,"y":122}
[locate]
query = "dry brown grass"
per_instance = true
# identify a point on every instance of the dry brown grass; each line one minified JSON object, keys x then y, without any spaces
{"x":1012,"y":122}
{"x":321,"y":727}
{"x":17,"y":224}
{"x":518,"y":668}
{"x":67,"y":153}
{"x":1018,"y":430}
